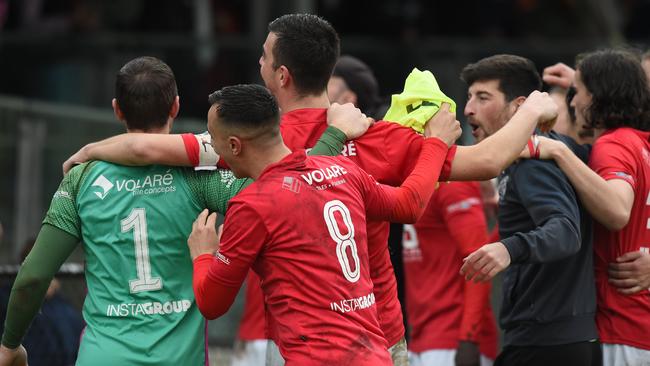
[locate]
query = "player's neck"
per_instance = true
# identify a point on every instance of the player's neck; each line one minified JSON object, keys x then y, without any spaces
{"x":160,"y":130}
{"x":292,"y":101}
{"x":262,"y":158}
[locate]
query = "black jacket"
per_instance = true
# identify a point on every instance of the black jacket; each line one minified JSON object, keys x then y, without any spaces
{"x":549,"y":295}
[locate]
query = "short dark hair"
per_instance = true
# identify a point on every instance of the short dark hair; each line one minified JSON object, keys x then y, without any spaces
{"x":308,"y":46}
{"x":620,"y":96}
{"x":247,"y":108}
{"x":145,"y":89}
{"x":517,"y":76}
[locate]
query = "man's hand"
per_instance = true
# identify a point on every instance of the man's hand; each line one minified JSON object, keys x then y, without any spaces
{"x":349,"y":119}
{"x":443,"y":125}
{"x":13,"y":357}
{"x":631,"y":272}
{"x":79,"y":157}
{"x":467,"y":354}
{"x":543,"y":107}
{"x":486,"y":262}
{"x":204,"y":238}
{"x":547,"y":148}
{"x":559,"y":75}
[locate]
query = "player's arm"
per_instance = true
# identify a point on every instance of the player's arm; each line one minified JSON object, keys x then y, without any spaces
{"x":217,"y":279}
{"x":406,"y":203}
{"x":135,"y":149}
{"x":462,"y":212}
{"x":52,"y":248}
{"x":57,"y":238}
{"x":491,"y":156}
{"x":553,"y":207}
{"x":613,"y":212}
{"x":196,"y":150}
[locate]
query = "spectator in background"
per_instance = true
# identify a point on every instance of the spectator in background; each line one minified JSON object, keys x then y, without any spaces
{"x":53,"y":338}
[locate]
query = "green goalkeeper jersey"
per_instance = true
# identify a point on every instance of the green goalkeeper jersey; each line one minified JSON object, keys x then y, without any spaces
{"x":134,"y":223}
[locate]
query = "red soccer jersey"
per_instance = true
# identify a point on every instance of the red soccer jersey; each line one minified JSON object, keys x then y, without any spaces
{"x":253,"y":321}
{"x":623,"y":153}
{"x":388,"y":152}
{"x":453,"y":226}
{"x":300,"y":226}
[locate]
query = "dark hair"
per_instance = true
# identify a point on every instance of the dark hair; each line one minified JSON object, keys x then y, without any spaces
{"x":145,"y":89}
{"x":517,"y":76}
{"x":620,"y":96}
{"x":248,"y":108}
{"x":309,"y":47}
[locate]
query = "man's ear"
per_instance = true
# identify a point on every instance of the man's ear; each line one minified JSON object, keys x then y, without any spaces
{"x":235,"y":145}
{"x":176,"y":107}
{"x":516,"y":103}
{"x":284,"y":76}
{"x":117,"y":111}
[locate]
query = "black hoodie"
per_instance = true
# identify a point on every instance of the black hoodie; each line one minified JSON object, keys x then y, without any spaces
{"x":549,"y":295}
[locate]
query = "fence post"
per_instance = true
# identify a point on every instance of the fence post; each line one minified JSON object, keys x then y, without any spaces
{"x":29,"y":182}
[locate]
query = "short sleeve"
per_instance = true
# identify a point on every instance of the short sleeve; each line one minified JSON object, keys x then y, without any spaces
{"x":199,"y":150}
{"x":462,"y":210}
{"x":244,"y":235}
{"x":612,"y":159}
{"x":63,"y":212}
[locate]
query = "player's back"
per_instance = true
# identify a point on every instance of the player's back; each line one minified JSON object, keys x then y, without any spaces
{"x":140,"y":306}
{"x":623,"y":153}
{"x":314,"y":265}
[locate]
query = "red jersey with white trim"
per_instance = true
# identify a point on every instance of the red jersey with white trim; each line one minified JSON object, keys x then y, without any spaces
{"x":388,"y":152}
{"x":623,"y":153}
{"x":438,"y":309}
{"x":252,"y":325}
{"x":301,"y":227}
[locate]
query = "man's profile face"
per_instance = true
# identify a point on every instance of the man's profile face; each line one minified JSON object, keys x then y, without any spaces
{"x":267,"y":71}
{"x":220,"y":141}
{"x":487,"y":109}
{"x":581,"y":100}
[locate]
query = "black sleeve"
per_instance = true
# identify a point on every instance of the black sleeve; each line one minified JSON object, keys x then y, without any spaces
{"x":552,"y":205}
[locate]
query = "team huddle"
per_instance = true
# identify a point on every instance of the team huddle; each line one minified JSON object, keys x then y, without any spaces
{"x":308,"y":189}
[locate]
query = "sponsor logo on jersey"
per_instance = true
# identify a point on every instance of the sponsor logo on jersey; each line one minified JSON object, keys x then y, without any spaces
{"x":291,"y":184}
{"x":62,"y":194}
{"x":151,"y":184}
{"x":325,"y":176}
{"x":148,"y":308}
{"x":411,"y":251}
{"x":104,"y":184}
{"x":358,"y":303}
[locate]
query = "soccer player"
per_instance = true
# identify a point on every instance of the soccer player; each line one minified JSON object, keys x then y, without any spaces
{"x":612,"y":96}
{"x":451,"y":321}
{"x":545,"y":235}
{"x":296,"y":63}
{"x":301,"y":227}
{"x":140,"y":306}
